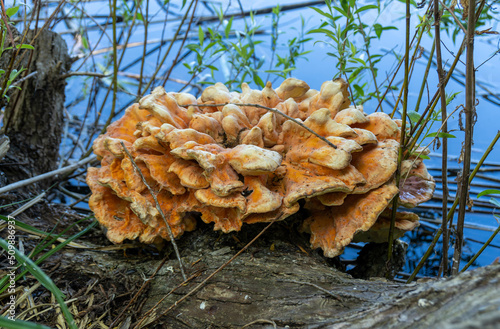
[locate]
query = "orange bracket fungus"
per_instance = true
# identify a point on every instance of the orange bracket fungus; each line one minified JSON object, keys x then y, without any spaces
{"x":227,"y":159}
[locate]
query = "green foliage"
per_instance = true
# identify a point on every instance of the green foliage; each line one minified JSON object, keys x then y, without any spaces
{"x":8,"y":76}
{"x":350,"y":39}
{"x":489,"y":191}
{"x":45,"y":244}
{"x":237,"y":48}
{"x":43,"y":279}
{"x":19,"y":324}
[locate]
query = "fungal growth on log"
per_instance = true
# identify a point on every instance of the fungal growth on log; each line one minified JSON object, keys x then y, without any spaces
{"x":231,"y":164}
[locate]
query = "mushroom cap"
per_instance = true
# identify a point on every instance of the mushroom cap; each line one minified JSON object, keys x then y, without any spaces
{"x":189,"y":173}
{"x":417,"y":187}
{"x":381,"y":125}
{"x":292,"y":88}
{"x":309,"y":180}
{"x":333,"y":229}
{"x":251,"y":160}
{"x":377,"y":164}
{"x":235,"y":164}
{"x":333,"y":95}
{"x":379,"y":232}
{"x":351,"y":115}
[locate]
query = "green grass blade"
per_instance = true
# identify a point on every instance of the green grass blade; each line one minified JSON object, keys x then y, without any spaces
{"x":49,"y":253}
{"x":25,"y":226}
{"x":19,"y":324}
{"x":43,"y":278}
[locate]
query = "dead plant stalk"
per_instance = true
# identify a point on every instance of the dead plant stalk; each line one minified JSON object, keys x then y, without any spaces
{"x":169,"y":229}
{"x":469,"y":114}
{"x":403,"y":135}
{"x":444,"y":127}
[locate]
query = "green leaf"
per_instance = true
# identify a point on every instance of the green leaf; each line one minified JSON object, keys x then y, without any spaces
{"x":378,"y":29}
{"x":258,"y":81}
{"x":24,"y":226}
{"x":364,"y":8}
{"x":20,"y":324}
{"x":322,"y":13}
{"x":85,"y":42}
{"x":385,"y":28}
{"x":25,"y":46}
{"x":201,"y":35}
{"x":451,"y":97}
{"x":43,"y":278}
{"x":12,"y":11}
{"x":343,"y":12}
{"x":489,"y":191}
{"x":495,"y":202}
{"x":440,"y":135}
{"x":14,"y":73}
{"x":359,"y":90}
{"x":414,"y":116}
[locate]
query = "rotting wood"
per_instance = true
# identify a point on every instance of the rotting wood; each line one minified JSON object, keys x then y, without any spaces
{"x":261,"y":284}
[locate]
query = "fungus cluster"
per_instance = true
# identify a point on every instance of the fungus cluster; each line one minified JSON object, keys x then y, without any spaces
{"x":233,"y":164}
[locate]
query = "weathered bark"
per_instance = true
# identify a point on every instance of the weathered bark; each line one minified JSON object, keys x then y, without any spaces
{"x":34,"y":115}
{"x":274,"y":281}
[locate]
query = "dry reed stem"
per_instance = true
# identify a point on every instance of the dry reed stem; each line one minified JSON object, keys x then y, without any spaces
{"x":169,"y":229}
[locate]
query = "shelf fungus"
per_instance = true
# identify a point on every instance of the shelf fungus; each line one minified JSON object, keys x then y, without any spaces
{"x":221,"y":159}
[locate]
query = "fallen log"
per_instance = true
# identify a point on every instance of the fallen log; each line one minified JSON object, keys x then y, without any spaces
{"x":274,"y":283}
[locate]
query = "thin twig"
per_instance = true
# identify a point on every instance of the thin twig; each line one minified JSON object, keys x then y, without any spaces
{"x":452,"y":12}
{"x":276,"y":111}
{"x":201,"y":284}
{"x":79,"y":200}
{"x":176,"y":59}
{"x":182,"y":284}
{"x":260,"y":321}
{"x":88,"y":74}
{"x":469,"y":126}
{"x":32,"y":74}
{"x":136,"y":295}
{"x":169,"y":229}
{"x":444,"y":163}
{"x":27,"y":205}
{"x":401,"y":149}
{"x":426,"y":74}
{"x":430,"y":249}
{"x":426,"y":115}
{"x":144,"y":48}
{"x":481,"y":250}
{"x":113,"y":85}
{"x":176,"y":34}
{"x":50,"y":174}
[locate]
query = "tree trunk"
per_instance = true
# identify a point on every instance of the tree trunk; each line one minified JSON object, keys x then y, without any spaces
{"x":34,"y":117}
{"x":274,"y":281}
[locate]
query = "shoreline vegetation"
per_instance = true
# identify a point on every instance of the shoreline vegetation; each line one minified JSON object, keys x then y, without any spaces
{"x":55,"y":100}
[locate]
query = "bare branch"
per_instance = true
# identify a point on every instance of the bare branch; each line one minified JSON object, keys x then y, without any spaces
{"x":169,"y":229}
{"x":274,"y":111}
